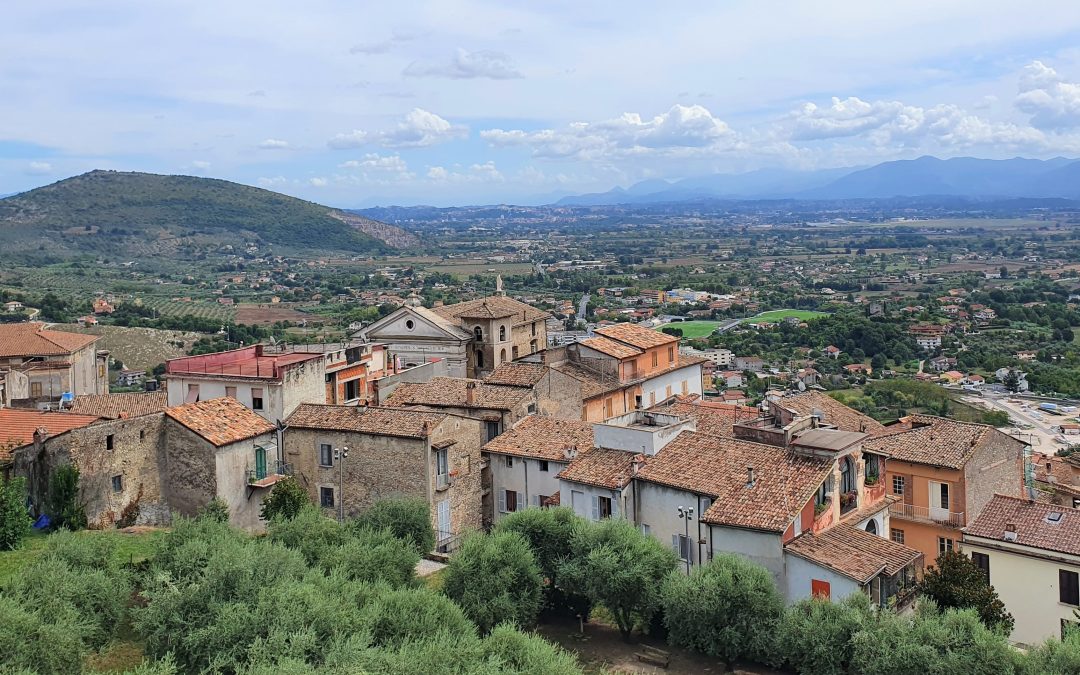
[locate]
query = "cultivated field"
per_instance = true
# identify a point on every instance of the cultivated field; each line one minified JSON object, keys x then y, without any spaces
{"x":781,"y":314}
{"x":267,"y":314}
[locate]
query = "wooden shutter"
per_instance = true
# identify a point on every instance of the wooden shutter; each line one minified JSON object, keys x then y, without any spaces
{"x":820,"y":589}
{"x":1069,"y":587}
{"x":909,"y":489}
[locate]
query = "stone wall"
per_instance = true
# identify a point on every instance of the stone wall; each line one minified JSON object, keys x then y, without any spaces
{"x":997,"y":467}
{"x":191,"y":472}
{"x":559,"y":395}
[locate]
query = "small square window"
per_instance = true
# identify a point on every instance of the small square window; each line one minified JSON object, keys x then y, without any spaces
{"x":117,"y":483}
{"x":543,"y":465}
{"x":509,"y":462}
{"x":326,"y":454}
{"x":142,"y":434}
{"x":898,"y":485}
{"x":944,"y":544}
{"x":109,"y":442}
{"x":896,"y":535}
{"x":326,"y":497}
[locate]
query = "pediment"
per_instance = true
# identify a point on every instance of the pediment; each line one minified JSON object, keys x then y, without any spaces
{"x":406,"y":323}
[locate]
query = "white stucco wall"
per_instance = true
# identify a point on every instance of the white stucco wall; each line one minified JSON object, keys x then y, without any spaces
{"x":658,"y":508}
{"x":231,"y":465}
{"x":273,"y":407}
{"x":1029,"y":588}
{"x":657,"y":386}
{"x":801,"y":572}
{"x":622,"y":501}
{"x":614,"y":433}
{"x":524,"y":477}
{"x":763,"y":548}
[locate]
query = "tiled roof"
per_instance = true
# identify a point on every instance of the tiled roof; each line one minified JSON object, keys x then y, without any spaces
{"x":17,"y":425}
{"x":517,"y":374}
{"x":716,"y":466}
{"x":611,"y":347}
{"x":835,"y":412}
{"x":33,"y":339}
{"x":712,"y":418}
{"x":602,"y":467}
{"x":492,"y":307}
{"x":380,"y":421}
{"x":541,"y":437}
{"x":934,"y":441}
{"x":1032,"y":528}
{"x":853,"y":552}
{"x":450,"y":392}
{"x":638,"y":336}
{"x":114,"y":406}
{"x":221,"y":421}
{"x":593,"y":384}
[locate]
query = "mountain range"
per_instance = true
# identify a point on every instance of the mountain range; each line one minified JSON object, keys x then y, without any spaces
{"x":150,"y":214}
{"x":926,"y":176}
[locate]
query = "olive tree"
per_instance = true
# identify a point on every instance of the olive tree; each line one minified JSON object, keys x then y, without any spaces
{"x":495,"y":579}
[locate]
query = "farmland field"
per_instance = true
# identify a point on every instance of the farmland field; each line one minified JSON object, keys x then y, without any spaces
{"x":694,"y":329}
{"x":780,"y":314}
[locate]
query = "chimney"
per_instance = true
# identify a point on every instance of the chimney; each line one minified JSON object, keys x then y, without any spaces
{"x":749,"y":476}
{"x":470,"y":394}
{"x":570,"y":451}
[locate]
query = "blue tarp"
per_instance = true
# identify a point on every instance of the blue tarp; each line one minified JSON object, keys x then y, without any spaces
{"x":42,"y":522}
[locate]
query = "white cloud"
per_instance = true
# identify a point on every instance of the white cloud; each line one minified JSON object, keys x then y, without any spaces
{"x":200,"y":165}
{"x":466,"y":65}
{"x":681,"y":131}
{"x":374,"y":166}
{"x":477,"y":173}
{"x":318,"y":182}
{"x":351,"y":139}
{"x":39,"y":168}
{"x":272,"y":181}
{"x":1052,"y":102}
{"x":421,"y":128}
{"x":273,"y":144}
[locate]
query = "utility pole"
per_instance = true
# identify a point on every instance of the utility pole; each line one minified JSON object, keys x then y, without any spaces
{"x":339,"y":456}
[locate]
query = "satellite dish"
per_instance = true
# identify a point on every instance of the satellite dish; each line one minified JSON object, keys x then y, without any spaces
{"x":802,"y":386}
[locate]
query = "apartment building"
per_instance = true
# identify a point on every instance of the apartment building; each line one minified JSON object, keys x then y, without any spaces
{"x":51,"y":363}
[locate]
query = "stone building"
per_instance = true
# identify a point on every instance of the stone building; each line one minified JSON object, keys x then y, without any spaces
{"x":54,"y":362}
{"x":392,"y":452}
{"x":498,"y":406}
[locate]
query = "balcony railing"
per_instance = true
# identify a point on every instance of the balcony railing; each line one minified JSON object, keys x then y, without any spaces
{"x":273,"y":468}
{"x":928,"y":515}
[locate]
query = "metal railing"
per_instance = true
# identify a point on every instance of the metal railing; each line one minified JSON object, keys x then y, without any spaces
{"x":273,"y":468}
{"x":928,"y":515}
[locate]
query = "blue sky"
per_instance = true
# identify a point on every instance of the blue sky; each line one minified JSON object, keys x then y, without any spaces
{"x":350,"y":103}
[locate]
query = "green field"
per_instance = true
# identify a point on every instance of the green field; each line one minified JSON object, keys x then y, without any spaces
{"x":780,"y":314}
{"x":129,"y":548}
{"x":693,"y":329}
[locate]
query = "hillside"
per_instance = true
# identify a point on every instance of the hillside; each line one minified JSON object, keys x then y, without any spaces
{"x":150,"y":214}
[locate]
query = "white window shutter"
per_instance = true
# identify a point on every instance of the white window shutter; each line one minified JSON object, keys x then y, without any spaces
{"x":595,"y":508}
{"x":614,"y":507}
{"x":675,"y":545}
{"x":502,"y":502}
{"x":535,"y":500}
{"x":521,"y":501}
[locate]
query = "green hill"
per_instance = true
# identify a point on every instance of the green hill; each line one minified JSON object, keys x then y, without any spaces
{"x":149,"y":214}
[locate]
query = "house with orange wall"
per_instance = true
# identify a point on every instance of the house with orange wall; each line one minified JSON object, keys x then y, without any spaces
{"x":943,"y":473}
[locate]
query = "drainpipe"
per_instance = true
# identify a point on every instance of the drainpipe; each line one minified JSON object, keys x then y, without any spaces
{"x":525,"y":465}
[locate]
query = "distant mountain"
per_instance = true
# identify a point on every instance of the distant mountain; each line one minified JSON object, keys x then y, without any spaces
{"x":926,"y":176}
{"x":150,"y":214}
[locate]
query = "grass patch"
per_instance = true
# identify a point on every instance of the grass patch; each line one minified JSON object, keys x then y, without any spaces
{"x":693,"y":329}
{"x":436,"y":580}
{"x":130,"y":548}
{"x":781,"y":314}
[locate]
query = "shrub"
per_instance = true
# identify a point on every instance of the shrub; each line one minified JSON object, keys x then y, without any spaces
{"x":515,"y":652}
{"x":373,"y":556}
{"x":15,"y":522}
{"x":63,"y":505}
{"x":216,"y":509}
{"x":495,"y":579}
{"x":955,"y":582}
{"x":1055,"y":656}
{"x":399,"y":616}
{"x":408,"y":519}
{"x":30,"y":643}
{"x":615,"y":565}
{"x":285,"y":501}
{"x":814,"y":635}
{"x":311,"y":533}
{"x":727,"y":609}
{"x":548,"y":532}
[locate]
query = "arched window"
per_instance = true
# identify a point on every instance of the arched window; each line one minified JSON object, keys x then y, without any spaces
{"x":871,"y":526}
{"x":502,"y":356}
{"x":502,"y":333}
{"x":847,"y":476}
{"x":479,"y":333}
{"x":479,"y":357}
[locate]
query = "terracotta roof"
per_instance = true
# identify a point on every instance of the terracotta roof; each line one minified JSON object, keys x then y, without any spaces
{"x":492,"y":307}
{"x":717,"y":467}
{"x":379,"y":421}
{"x":221,"y":421}
{"x":853,"y":552}
{"x":115,"y":406}
{"x":450,"y":392}
{"x":712,"y":418}
{"x":517,"y":374}
{"x":635,"y":335}
{"x":541,"y":437}
{"x":33,"y":339}
{"x":835,"y":412}
{"x":17,"y":425}
{"x":602,"y":467}
{"x":934,"y":441}
{"x":1032,"y":527}
{"x":611,"y":347}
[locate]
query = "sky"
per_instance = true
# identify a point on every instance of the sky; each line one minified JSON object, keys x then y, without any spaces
{"x":356,"y":104}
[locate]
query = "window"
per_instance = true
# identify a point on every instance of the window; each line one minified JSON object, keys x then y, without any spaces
{"x":326,"y":497}
{"x":352,"y":390}
{"x":1068,"y":626}
{"x":492,"y":431}
{"x":847,"y":476}
{"x":35,"y":389}
{"x":655,"y":359}
{"x":609,"y":407}
{"x":531,"y":409}
{"x":442,"y":469}
{"x":509,"y":502}
{"x":533,"y":325}
{"x":944,"y":544}
{"x":982,"y":561}
{"x":543,"y":465}
{"x":671,"y":354}
{"x":898,"y":485}
{"x":502,"y":355}
{"x":502,"y":333}
{"x":230,"y":392}
{"x":192,"y":394}
{"x":514,"y":353}
{"x":326,"y":454}
{"x":683,"y":546}
{"x":532,"y":346}
{"x":109,"y":442}
{"x":1069,"y":587}
{"x":667,"y":391}
{"x":601,"y":508}
{"x":645,"y":529}
{"x":410,"y":324}
{"x":142,"y":434}
{"x":896,"y":535}
{"x":117,"y":483}
{"x":652,"y":398}
{"x":685,"y":387}
{"x":944,"y":495}
{"x":256,"y":398}
{"x":479,"y":333}
{"x":870,"y":469}
{"x":509,"y":462}
{"x":479,"y":358}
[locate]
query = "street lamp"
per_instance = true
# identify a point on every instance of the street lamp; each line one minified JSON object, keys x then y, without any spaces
{"x":339,"y":458}
{"x":686,"y":514}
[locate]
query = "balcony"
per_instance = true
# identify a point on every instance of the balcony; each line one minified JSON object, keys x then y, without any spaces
{"x":927,"y":515}
{"x":268,"y":475}
{"x":442,"y":481}
{"x":872,"y":494}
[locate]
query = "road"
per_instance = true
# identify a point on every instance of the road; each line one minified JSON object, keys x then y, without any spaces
{"x":583,"y":306}
{"x":1043,"y":429}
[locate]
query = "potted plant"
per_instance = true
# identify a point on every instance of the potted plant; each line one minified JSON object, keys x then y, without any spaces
{"x":847,"y":499}
{"x":872,"y":479}
{"x":821,"y":508}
